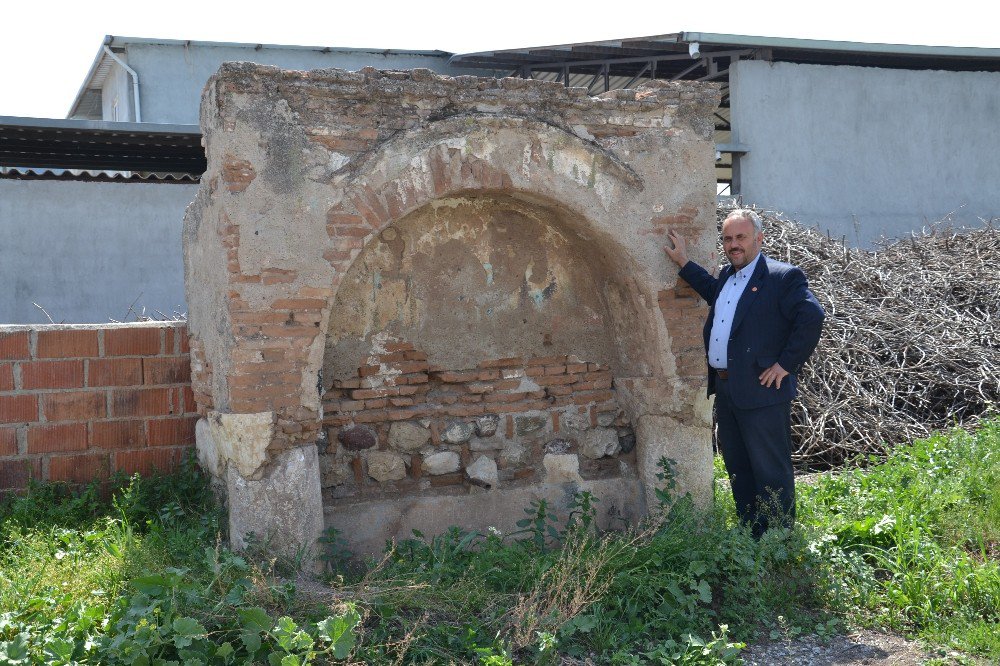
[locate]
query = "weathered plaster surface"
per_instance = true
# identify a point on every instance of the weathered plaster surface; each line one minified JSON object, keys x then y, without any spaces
{"x":370,"y":524}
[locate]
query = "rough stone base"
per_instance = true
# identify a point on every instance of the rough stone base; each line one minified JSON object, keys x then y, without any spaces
{"x":367,"y":525}
{"x":284,"y":508}
{"x":689,"y":446}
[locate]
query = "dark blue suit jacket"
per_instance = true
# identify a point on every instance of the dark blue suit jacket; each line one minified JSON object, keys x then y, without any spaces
{"x":777,"y":320}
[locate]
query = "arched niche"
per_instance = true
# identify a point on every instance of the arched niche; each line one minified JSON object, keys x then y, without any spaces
{"x":483,"y":296}
{"x":480,"y":275}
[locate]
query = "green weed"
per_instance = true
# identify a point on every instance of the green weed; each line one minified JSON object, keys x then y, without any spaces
{"x":144,"y":576}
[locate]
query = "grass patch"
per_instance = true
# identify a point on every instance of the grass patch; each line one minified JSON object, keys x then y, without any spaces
{"x":914,"y":542}
{"x":910,"y":544}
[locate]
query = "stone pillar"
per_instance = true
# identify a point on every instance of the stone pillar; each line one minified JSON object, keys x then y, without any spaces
{"x":275,"y":498}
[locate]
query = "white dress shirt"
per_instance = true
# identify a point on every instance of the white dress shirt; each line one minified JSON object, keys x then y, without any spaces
{"x":725,"y":310}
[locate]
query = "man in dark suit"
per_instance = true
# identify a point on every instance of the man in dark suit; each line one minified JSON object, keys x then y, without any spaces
{"x":763,"y":325}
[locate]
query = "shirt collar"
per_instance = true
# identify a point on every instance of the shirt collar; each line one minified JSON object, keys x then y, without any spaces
{"x":745,"y":272}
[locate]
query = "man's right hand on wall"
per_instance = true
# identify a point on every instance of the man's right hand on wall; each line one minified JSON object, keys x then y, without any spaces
{"x":677,"y":253}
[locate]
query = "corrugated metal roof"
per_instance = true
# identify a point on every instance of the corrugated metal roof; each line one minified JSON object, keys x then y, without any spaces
{"x":120,"y":41}
{"x":624,"y":63}
{"x":829,"y":46}
{"x":19,"y":173}
{"x":41,"y":144}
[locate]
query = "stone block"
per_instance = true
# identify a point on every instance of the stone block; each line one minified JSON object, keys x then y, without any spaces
{"x":599,"y":443}
{"x":489,"y":444}
{"x":574,"y":423}
{"x":241,"y":439}
{"x":486,"y":426}
{"x":606,"y":419}
{"x":408,"y":436}
{"x":483,"y":472}
{"x":562,"y":468}
{"x":334,"y":472}
{"x":283,"y":508}
{"x":458,"y":432}
{"x":558,"y":446}
{"x":690,"y":447}
{"x":357,"y":438}
{"x":525,"y":424}
{"x":514,"y":455}
{"x":386,"y":466}
{"x":442,"y":462}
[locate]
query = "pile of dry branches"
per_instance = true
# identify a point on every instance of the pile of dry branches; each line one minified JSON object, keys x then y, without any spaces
{"x":911,"y":342}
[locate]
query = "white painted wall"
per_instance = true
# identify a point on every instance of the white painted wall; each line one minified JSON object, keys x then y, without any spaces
{"x":172,"y":76}
{"x":86,"y":251}
{"x":118,"y":86}
{"x":862,"y":151}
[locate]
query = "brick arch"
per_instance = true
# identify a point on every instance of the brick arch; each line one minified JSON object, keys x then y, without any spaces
{"x":396,"y":180}
{"x":555,"y":169}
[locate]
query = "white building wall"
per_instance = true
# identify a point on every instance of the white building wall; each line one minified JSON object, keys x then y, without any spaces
{"x":117,"y":88}
{"x":86,"y":251}
{"x":862,"y":151}
{"x":171,"y":77}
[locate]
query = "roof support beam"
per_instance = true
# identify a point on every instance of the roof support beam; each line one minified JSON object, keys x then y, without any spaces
{"x":625,"y":61}
{"x":597,"y":77}
{"x":639,"y":75}
{"x":685,"y":72}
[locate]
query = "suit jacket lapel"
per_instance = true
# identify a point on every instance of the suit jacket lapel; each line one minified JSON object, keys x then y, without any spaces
{"x":750,"y":293}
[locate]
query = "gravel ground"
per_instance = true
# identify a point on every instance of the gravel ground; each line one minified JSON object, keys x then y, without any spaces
{"x":871,"y":648}
{"x":862,"y":647}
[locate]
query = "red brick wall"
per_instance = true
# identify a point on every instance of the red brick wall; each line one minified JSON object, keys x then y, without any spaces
{"x":79,"y":403}
{"x":400,"y":385}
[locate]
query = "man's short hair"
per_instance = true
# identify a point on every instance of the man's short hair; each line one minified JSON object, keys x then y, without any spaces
{"x":747,"y":214}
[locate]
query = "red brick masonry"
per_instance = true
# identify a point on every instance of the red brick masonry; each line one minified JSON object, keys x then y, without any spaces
{"x":78,"y":403}
{"x":400,"y":385}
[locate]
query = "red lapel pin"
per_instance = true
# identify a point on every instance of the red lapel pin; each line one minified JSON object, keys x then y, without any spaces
{"x":753,"y":288}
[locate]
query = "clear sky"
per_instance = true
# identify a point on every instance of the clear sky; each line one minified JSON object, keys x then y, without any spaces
{"x":47,"y":48}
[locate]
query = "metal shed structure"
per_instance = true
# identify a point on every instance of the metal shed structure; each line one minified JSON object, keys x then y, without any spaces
{"x":622,"y":63}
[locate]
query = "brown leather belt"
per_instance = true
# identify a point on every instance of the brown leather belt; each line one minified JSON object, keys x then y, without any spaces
{"x":723,"y":374}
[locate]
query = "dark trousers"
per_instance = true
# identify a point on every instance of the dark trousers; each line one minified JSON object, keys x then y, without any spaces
{"x":756,"y":446}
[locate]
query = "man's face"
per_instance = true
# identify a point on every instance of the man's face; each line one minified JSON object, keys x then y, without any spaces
{"x":740,"y":242}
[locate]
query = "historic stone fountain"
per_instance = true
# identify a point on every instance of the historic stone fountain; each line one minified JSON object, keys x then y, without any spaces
{"x":418,"y":301}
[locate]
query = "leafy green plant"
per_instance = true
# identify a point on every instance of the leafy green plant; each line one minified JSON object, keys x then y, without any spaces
{"x":334,"y":552}
{"x":911,"y":542}
{"x":689,"y":650}
{"x":668,"y":477}
{"x":582,"y":512}
{"x":541,"y":524}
